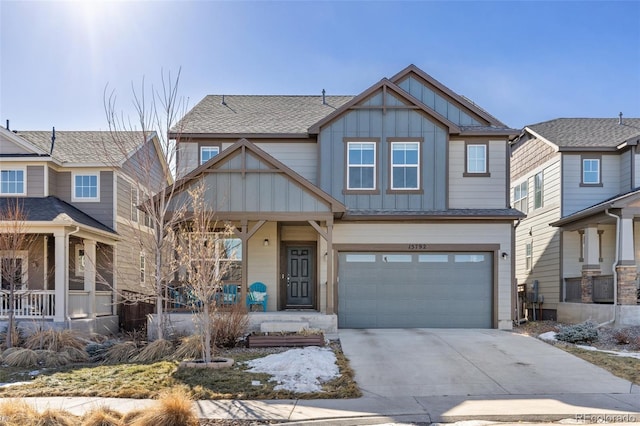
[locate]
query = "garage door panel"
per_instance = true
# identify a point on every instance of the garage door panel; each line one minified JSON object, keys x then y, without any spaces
{"x":415,"y":290}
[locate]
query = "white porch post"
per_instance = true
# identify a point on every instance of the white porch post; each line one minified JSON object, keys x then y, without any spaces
{"x":60,"y":276}
{"x":627,"y":255}
{"x":591,"y":248}
{"x":90,"y":275}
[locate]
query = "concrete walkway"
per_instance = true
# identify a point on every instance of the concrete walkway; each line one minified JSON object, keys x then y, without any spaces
{"x":443,"y":376}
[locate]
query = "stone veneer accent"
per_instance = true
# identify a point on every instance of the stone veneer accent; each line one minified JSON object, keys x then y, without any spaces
{"x":627,"y":289}
{"x":587,"y":284}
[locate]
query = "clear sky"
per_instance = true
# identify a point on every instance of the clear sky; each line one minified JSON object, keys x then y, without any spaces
{"x":524,"y":62}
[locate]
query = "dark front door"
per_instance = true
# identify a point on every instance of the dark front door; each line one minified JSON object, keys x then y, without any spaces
{"x":300,"y":277}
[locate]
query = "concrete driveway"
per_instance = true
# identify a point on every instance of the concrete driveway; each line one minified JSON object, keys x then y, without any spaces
{"x":433,"y":362}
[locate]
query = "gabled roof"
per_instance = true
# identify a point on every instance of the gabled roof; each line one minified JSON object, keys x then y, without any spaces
{"x":587,"y":133}
{"x":48,"y":209}
{"x":468,"y":103}
{"x":244,"y":144}
{"x":385,"y":84}
{"x":617,"y":201}
{"x":23,"y":143}
{"x":240,"y":115}
{"x":92,"y":147}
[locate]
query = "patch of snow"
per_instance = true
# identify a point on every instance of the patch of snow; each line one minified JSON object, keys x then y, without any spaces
{"x":298,"y":370}
{"x":616,"y":353}
{"x":6,"y":385}
{"x":549,"y":336}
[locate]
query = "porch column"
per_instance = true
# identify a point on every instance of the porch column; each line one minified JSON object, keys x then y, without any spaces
{"x":90,"y":275}
{"x":626,"y":269}
{"x":331,"y":306}
{"x":61,"y":248}
{"x":591,"y":266}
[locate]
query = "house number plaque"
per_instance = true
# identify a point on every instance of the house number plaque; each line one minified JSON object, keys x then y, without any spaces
{"x":417,"y":246}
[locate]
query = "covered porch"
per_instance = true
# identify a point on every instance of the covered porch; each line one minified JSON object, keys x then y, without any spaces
{"x":64,"y":276}
{"x":600,"y":252}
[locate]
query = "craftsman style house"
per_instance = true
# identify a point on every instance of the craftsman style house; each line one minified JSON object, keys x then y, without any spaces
{"x":78,"y":196}
{"x":385,"y":209}
{"x":578,"y":180}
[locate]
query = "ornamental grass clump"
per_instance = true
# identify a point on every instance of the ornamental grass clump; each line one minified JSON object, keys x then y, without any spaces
{"x":53,"y":417}
{"x":15,"y":412}
{"x":54,"y":340}
{"x":157,"y":350}
{"x":102,"y":416}
{"x":190,"y":348}
{"x":121,"y":352}
{"x":174,"y":408}
{"x":23,"y":358}
{"x":585,"y":332}
{"x":51,"y":359}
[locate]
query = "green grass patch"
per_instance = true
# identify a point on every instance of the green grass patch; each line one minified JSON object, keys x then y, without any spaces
{"x":127,"y":380}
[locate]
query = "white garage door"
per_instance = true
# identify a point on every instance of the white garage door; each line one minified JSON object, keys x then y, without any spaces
{"x":415,"y":290}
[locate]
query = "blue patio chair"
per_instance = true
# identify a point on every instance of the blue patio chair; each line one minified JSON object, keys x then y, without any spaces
{"x":257,"y":296}
{"x":229,"y":295}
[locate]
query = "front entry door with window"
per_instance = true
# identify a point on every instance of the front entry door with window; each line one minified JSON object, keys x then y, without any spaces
{"x":300,"y":277}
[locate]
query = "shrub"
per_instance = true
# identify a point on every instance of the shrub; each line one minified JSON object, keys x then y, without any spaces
{"x":54,"y":340}
{"x":230,"y":326}
{"x":622,"y":337}
{"x":15,"y":337}
{"x":585,"y":332}
{"x":23,"y":358}
{"x":174,"y":408}
{"x":155,"y":351}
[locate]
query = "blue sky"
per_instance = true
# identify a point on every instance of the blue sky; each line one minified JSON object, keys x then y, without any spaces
{"x":524,"y":62}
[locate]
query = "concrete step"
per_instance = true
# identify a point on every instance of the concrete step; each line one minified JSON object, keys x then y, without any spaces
{"x":280,"y":326}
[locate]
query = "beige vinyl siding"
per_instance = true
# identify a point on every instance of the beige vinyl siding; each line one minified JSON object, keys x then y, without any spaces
{"x":625,"y":172}
{"x":263,"y":262}
{"x":53,"y":181}
{"x":571,"y":264}
{"x":35,"y":181}
{"x":36,"y":265}
{"x":128,"y":262}
{"x":298,"y":233}
{"x":9,"y":147}
{"x":577,"y":197}
{"x":477,"y":192}
{"x":441,"y":233}
{"x":302,"y":158}
{"x":545,"y":239}
{"x":187,"y":157}
{"x":102,"y":211}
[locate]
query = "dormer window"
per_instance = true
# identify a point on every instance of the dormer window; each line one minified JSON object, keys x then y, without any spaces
{"x":12,"y":182}
{"x":208,"y":152}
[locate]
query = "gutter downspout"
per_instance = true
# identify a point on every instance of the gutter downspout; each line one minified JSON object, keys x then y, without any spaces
{"x":615,"y":272}
{"x":66,"y":279}
{"x":513,"y":270}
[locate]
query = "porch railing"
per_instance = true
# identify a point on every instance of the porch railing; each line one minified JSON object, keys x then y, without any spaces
{"x":28,"y":304}
{"x":573,"y":289}
{"x":79,"y":303}
{"x":603,"y":288}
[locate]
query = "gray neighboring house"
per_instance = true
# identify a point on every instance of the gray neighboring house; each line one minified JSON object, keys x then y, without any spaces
{"x":79,"y":196}
{"x":385,"y":209}
{"x":578,"y":181}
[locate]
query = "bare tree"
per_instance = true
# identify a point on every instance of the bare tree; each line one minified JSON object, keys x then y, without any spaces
{"x":14,"y":241}
{"x":202,"y":251}
{"x":156,"y":110}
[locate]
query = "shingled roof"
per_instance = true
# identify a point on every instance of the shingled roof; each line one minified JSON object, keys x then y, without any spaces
{"x":87,"y":146}
{"x":588,"y":132}
{"x":256,"y":114}
{"x":47,"y":209}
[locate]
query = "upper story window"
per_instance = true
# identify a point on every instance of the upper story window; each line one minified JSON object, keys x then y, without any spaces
{"x":477,"y":159}
{"x":405,"y":165}
{"x":591,"y":171}
{"x":12,"y":182}
{"x":86,"y":187}
{"x":208,"y":152}
{"x":538,"y":190}
{"x":521,"y":197}
{"x":14,"y":269}
{"x":361,"y":165}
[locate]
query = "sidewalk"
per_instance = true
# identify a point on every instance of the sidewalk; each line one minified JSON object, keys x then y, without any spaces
{"x":595,"y":408}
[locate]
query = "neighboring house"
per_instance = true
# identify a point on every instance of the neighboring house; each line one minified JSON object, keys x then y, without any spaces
{"x":79,"y":196}
{"x":385,"y":209}
{"x":578,"y":180}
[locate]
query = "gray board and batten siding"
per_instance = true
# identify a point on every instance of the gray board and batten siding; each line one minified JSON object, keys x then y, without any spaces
{"x":377,"y":124}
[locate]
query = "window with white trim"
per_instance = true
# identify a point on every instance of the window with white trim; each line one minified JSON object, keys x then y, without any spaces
{"x":591,"y":171}
{"x":361,"y":165}
{"x":538,"y":190}
{"x":528,"y":256}
{"x":405,"y":165}
{"x":86,"y":187}
{"x":229,"y":253}
{"x":14,"y":269}
{"x":12,"y":182}
{"x":521,"y":197}
{"x":208,"y":152}
{"x":476,"y":158}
